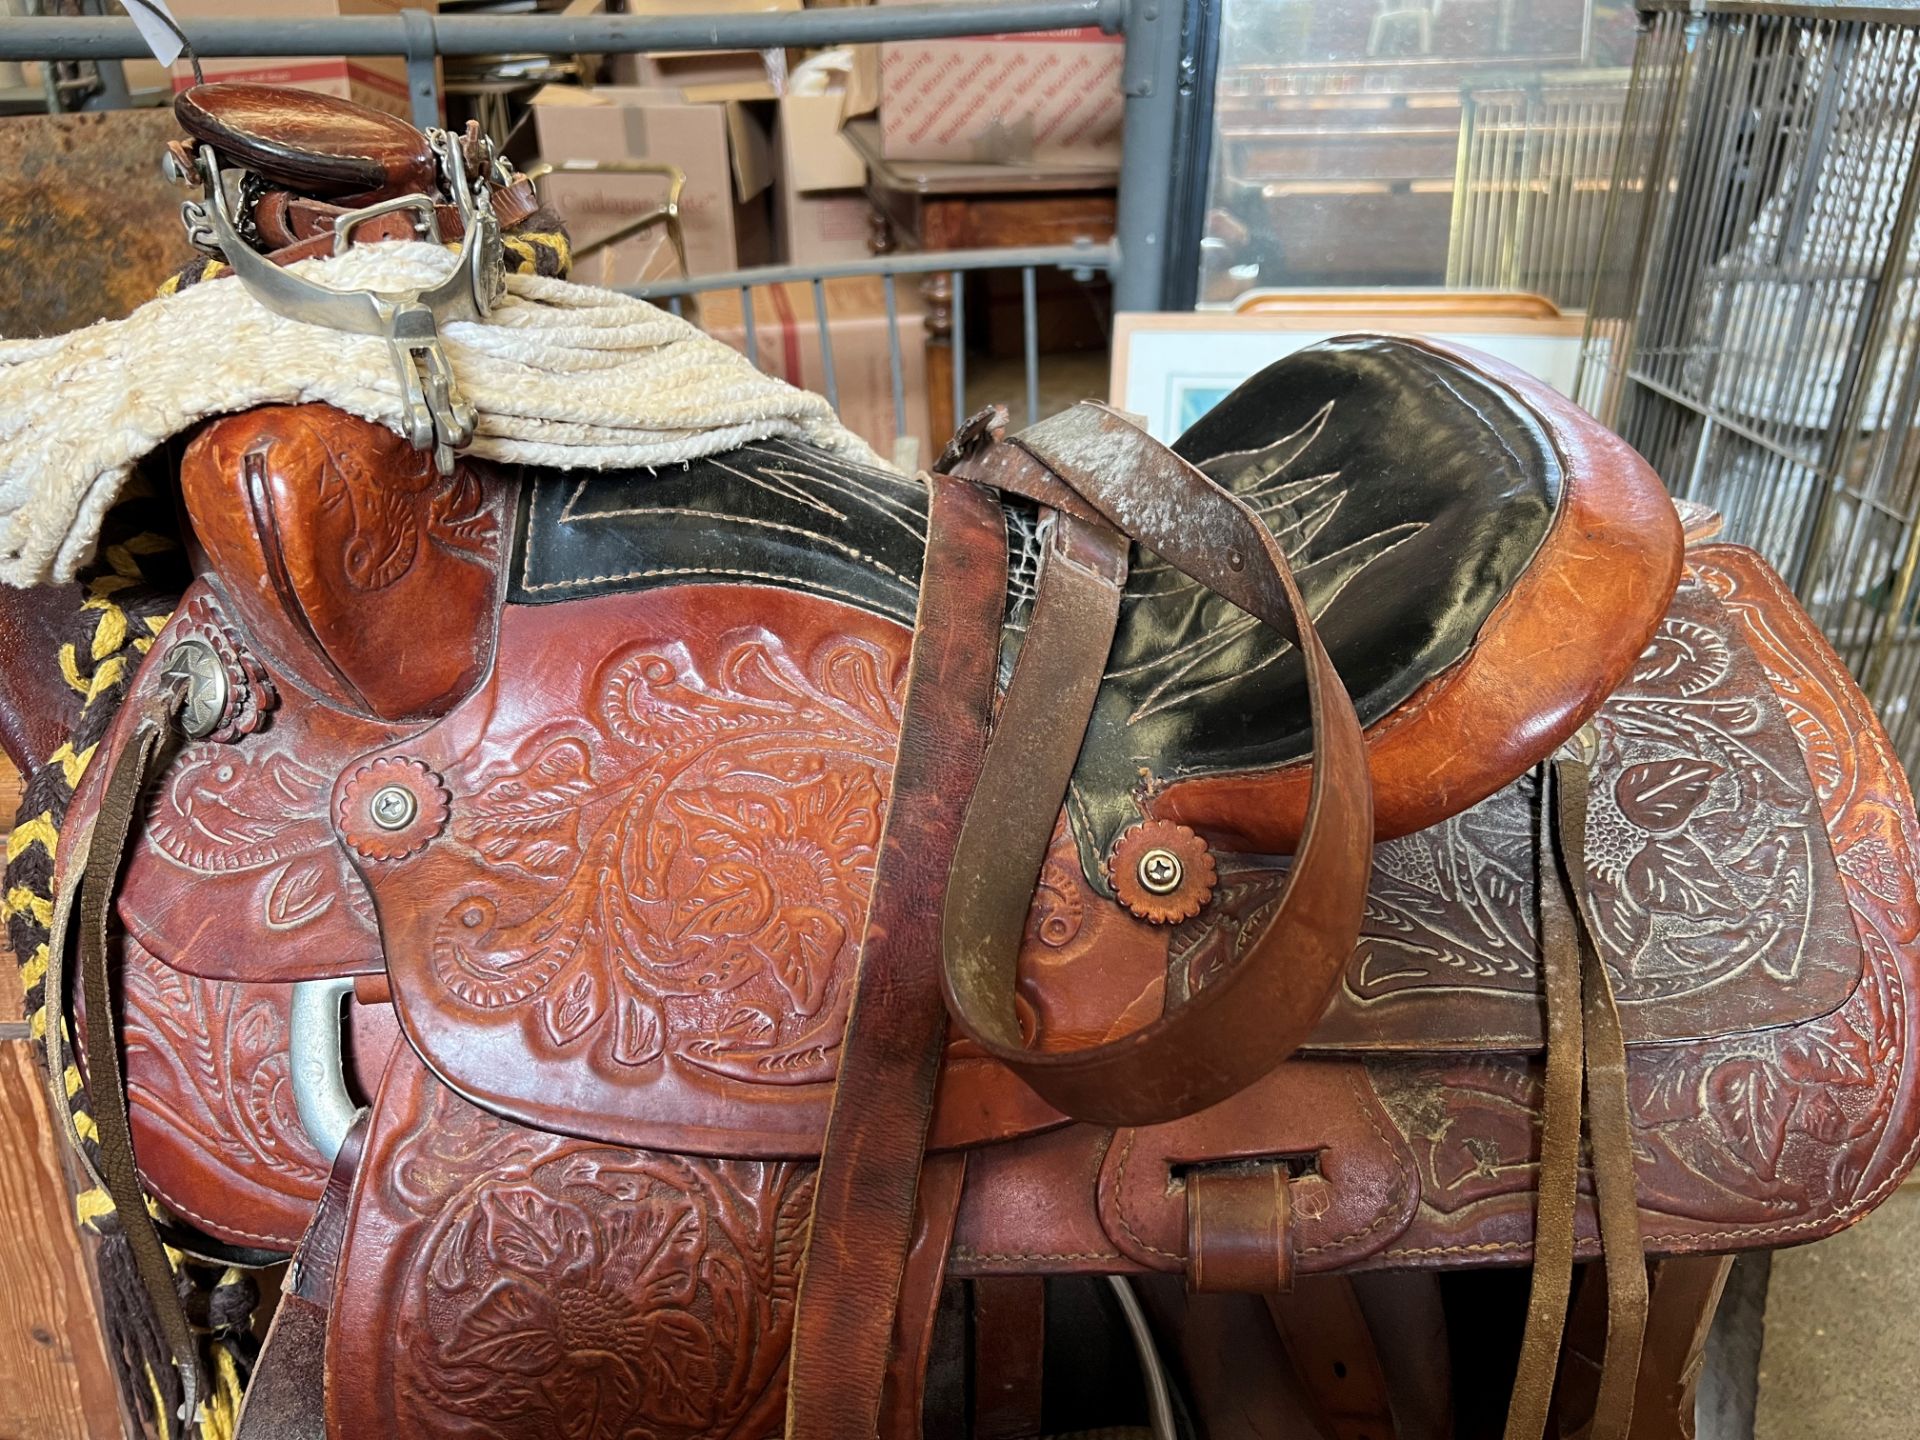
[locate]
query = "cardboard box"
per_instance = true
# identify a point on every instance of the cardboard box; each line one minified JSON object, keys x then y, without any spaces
{"x":1051,"y":98}
{"x":376,"y":81}
{"x":723,"y":148}
{"x":699,"y":69}
{"x":787,"y":338}
{"x":821,"y":204}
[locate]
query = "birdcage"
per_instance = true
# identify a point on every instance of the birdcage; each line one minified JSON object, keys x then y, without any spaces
{"x":1754,"y":327}
{"x":1534,"y":172}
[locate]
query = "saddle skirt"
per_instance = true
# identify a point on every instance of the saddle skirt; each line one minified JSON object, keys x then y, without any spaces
{"x":580,"y":781}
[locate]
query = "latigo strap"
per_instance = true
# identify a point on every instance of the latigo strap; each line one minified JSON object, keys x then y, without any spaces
{"x":1101,"y":482}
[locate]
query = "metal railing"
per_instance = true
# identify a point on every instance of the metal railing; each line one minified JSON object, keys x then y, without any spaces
{"x":1150,"y":76}
{"x":1082,"y":261}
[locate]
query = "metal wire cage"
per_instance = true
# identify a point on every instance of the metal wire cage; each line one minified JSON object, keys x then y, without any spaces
{"x":1754,"y":327}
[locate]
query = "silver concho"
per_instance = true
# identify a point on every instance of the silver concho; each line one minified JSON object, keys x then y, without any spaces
{"x":206,"y":689}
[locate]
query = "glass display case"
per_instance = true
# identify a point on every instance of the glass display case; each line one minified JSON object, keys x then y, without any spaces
{"x":1407,"y":143}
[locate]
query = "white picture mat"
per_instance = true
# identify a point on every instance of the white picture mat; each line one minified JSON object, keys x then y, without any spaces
{"x":1167,"y":367}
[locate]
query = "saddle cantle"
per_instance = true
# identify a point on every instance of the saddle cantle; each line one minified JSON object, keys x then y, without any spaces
{"x":643,"y":863}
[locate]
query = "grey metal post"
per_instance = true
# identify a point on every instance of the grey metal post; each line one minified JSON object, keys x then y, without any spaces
{"x":1150,"y":82}
{"x":423,"y":68}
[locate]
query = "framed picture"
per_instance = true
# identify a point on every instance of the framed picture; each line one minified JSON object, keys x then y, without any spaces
{"x":1173,"y":368}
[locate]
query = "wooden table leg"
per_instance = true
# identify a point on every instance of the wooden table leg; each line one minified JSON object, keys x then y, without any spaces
{"x":936,"y":291}
{"x":1686,"y":1292}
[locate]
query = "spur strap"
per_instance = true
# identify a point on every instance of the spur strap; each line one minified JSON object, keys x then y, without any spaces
{"x":298,"y":227}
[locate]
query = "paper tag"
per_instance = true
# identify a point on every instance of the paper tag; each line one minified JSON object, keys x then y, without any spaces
{"x":146,"y":16}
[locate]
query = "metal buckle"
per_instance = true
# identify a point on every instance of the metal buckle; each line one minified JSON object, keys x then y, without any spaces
{"x":428,"y":224}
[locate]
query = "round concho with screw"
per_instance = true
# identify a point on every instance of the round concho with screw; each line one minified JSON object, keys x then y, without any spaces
{"x":1161,"y":871}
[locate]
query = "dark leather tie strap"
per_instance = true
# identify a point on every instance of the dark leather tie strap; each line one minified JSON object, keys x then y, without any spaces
{"x":1556,"y":1189}
{"x":1583,"y":1029}
{"x":864,"y":1198}
{"x":1246,"y":1022}
{"x":286,"y":1398}
{"x":119,"y":806}
{"x":1609,"y":1132}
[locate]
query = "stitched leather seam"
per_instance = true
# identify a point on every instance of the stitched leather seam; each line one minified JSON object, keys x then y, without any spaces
{"x":1391,"y":1207}
{"x":719,"y":573}
{"x":533,"y":533}
{"x":1120,"y":1204}
{"x":1490,"y":1247}
{"x":178,"y":1208}
{"x":693,"y":512}
{"x":963,"y":1252}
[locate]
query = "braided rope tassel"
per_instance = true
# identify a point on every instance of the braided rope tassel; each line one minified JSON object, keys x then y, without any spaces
{"x":128,"y":600}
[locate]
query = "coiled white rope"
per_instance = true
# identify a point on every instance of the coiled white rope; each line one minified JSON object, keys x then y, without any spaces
{"x":560,"y":374}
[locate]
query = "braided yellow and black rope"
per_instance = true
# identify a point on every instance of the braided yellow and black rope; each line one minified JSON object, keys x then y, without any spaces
{"x":540,"y":248}
{"x":123,"y":603}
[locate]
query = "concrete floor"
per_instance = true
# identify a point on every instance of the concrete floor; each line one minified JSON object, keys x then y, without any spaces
{"x":1840,"y":1358}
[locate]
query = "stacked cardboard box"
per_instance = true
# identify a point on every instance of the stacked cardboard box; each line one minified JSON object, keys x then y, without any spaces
{"x":696,"y":70}
{"x":722,"y":147}
{"x":376,"y":81}
{"x":822,"y":203}
{"x":1049,"y":99}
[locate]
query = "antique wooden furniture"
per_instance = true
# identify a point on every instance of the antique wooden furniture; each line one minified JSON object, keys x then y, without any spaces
{"x":772,"y":888}
{"x":942,"y":205}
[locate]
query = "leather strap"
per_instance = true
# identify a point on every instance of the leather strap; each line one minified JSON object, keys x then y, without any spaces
{"x":1610,"y":1133}
{"x":298,"y":227}
{"x":287,"y":1399}
{"x":1331,"y":1347}
{"x":120,"y":800}
{"x":864,"y":1197}
{"x":1583,"y":1027}
{"x":1009,"y":1351}
{"x":1247,"y":1021}
{"x":1010,"y":792}
{"x":1556,"y":1190}
{"x":936,"y":1211}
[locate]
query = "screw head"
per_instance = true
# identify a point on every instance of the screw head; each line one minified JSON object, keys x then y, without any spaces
{"x":1160,"y":871}
{"x":393,"y":807}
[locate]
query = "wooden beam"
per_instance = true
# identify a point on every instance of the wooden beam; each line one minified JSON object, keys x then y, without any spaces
{"x":54,"y":1380}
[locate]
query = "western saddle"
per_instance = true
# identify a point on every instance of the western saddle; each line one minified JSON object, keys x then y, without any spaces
{"x":722,"y":951}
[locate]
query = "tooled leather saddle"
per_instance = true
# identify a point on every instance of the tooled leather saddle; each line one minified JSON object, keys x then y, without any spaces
{"x":646,"y":942}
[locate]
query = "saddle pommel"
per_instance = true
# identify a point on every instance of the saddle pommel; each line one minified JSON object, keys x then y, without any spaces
{"x":348,"y":557}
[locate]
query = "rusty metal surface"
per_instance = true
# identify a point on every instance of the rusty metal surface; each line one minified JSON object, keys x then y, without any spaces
{"x":88,"y":228}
